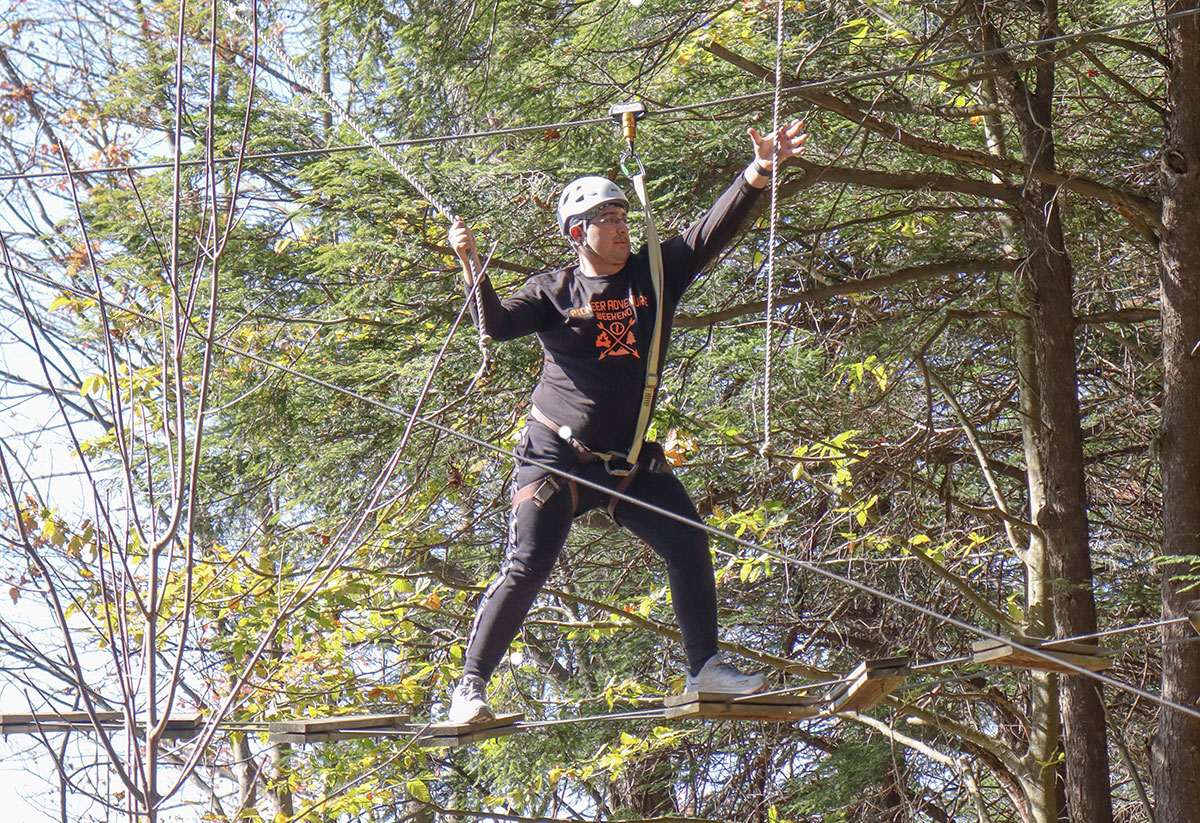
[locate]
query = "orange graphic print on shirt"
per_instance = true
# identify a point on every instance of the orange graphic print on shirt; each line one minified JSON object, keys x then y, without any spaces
{"x":615,"y":320}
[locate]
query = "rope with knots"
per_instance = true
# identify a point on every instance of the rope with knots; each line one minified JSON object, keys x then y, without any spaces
{"x":770,"y":310}
{"x":311,"y":87}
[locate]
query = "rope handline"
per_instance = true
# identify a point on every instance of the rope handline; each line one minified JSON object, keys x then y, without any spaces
{"x":813,"y":85}
{"x":385,"y":476}
{"x":705,"y":527}
{"x":437,"y":360}
{"x":313,"y":88}
{"x":774,"y":217}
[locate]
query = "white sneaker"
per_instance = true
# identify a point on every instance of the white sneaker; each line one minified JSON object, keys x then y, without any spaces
{"x":722,"y":678}
{"x":468,"y":704}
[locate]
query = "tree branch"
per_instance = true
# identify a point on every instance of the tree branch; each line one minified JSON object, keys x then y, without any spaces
{"x":900,"y":277}
{"x":1135,"y":208}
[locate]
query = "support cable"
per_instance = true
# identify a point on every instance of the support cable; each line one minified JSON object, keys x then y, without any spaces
{"x":728,"y":537}
{"x":1155,"y":624}
{"x":649,"y":713}
{"x":795,"y":89}
{"x":313,"y":88}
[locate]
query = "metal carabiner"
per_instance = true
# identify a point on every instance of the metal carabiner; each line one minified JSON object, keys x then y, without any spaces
{"x":631,"y":152}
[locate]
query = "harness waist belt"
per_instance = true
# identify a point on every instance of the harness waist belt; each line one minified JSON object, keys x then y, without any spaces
{"x":614,"y":462}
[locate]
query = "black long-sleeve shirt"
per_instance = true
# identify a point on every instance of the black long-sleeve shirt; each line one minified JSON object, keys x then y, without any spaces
{"x":595,"y":331}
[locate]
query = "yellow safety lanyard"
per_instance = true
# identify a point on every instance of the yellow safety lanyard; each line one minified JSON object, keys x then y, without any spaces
{"x":627,"y":115}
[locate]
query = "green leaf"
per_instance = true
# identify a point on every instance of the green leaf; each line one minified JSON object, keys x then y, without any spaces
{"x":418,"y":789}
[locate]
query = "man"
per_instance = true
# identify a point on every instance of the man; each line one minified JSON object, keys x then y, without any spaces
{"x":595,"y":322}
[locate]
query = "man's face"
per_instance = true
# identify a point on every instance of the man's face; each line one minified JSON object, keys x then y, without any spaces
{"x":608,"y":236}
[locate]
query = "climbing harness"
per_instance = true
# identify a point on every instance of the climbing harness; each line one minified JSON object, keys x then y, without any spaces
{"x":241,"y":13}
{"x":614,"y":464}
{"x":617,"y":464}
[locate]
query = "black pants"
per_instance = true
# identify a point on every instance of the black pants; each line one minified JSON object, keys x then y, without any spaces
{"x":538,"y":529}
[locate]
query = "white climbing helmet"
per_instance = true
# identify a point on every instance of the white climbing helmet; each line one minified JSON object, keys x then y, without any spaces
{"x":585,"y":195}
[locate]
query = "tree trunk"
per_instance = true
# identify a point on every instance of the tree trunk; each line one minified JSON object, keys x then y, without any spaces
{"x":1042,"y":785}
{"x":324,"y":35}
{"x":1176,"y":753}
{"x":1044,"y":730}
{"x":1063,"y":517}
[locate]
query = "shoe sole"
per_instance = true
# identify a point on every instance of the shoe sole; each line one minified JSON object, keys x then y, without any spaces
{"x":694,"y":690}
{"x":481,"y":714}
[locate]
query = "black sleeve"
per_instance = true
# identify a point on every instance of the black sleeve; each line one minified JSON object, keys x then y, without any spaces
{"x":686,"y":255}
{"x":530,"y":309}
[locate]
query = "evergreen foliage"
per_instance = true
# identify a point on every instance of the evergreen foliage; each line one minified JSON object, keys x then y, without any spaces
{"x":329,"y":577}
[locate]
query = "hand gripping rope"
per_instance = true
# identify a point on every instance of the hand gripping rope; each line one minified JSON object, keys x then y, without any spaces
{"x":627,"y":114}
{"x":243,"y":15}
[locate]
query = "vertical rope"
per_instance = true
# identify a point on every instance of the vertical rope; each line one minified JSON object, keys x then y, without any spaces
{"x":766,"y":444}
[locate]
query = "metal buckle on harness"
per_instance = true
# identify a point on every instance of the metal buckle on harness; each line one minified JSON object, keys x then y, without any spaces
{"x":545,"y":491}
{"x":616,"y":465}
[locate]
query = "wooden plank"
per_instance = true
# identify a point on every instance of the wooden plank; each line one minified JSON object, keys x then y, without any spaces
{"x":1193,"y":607}
{"x":177,"y":726}
{"x":767,"y":707}
{"x":317,"y":725}
{"x":442,"y":735}
{"x":57,"y":717}
{"x":875,"y":664}
{"x":465,"y":738}
{"x":721,"y":697}
{"x":288,"y":737}
{"x":184,"y":720}
{"x":867,"y":684}
{"x":1017,"y":655}
{"x":183,"y":724}
{"x":379,"y":732}
{"x":451,"y":729}
{"x":50,"y":727}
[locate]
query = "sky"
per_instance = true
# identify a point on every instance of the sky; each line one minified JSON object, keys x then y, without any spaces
{"x":41,"y":456}
{"x":35,"y":441}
